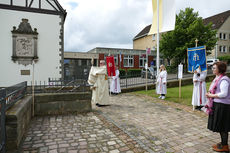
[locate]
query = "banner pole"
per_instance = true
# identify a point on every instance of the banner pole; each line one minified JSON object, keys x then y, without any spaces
{"x":193,"y":107}
{"x":196,"y":41}
{"x":179,"y":88}
{"x":146,"y":76}
{"x":158,"y":37}
{"x":33,"y":90}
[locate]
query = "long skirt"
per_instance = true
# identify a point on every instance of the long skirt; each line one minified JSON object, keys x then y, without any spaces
{"x":219,"y":121}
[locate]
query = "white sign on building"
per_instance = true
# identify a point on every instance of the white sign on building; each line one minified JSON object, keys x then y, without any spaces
{"x":31,"y":32}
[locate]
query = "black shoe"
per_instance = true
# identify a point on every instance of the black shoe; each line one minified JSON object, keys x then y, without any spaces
{"x":198,"y":107}
{"x":103,"y":105}
{"x":98,"y":105}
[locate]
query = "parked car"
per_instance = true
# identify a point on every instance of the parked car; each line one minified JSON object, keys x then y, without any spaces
{"x":210,"y":62}
{"x":150,"y":73}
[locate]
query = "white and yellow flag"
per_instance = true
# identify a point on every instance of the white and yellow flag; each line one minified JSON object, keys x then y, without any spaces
{"x":167,"y":16}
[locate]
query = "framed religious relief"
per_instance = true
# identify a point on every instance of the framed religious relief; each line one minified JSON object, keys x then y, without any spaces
{"x":24,"y":43}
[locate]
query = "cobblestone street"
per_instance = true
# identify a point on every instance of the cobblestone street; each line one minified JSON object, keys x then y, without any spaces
{"x":130,"y":124}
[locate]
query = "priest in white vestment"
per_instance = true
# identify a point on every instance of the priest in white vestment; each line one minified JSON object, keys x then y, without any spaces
{"x":98,"y":79}
{"x":115,"y":83}
{"x":199,"y":88}
{"x":161,"y":84}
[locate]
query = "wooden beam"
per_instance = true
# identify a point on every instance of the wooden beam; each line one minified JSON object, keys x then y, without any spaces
{"x":52,"y":5}
{"x":31,"y":2}
{"x":59,"y":6}
{"x":27,"y":9}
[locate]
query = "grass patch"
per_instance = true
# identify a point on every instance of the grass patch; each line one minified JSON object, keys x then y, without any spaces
{"x":173,"y":94}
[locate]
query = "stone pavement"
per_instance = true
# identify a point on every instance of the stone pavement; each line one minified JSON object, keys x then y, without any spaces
{"x":161,"y":126}
{"x":130,"y":124}
{"x":86,"y":133}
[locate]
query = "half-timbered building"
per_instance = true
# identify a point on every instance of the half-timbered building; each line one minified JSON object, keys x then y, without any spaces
{"x":31,"y":40}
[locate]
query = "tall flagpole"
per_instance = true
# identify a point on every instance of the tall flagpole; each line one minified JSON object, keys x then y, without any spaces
{"x":33,"y":90}
{"x":158,"y":57}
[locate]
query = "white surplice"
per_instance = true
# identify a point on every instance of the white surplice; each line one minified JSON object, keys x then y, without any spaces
{"x":98,"y":79}
{"x":115,"y":83}
{"x":199,"y":89}
{"x":161,"y":84}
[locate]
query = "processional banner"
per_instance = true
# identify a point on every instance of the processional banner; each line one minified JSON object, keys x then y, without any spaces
{"x":197,"y":58}
{"x":110,"y":65}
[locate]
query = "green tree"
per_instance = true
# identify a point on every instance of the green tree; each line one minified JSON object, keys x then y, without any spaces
{"x":189,"y":27}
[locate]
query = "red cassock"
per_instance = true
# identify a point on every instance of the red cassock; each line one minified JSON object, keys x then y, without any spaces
{"x":110,"y":65}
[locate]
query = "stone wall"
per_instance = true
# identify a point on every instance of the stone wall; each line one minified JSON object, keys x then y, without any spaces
{"x":18,"y":117}
{"x":17,"y":122}
{"x":62,"y":103}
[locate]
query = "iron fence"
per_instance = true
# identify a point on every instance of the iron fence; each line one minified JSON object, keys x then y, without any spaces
{"x":3,"y":118}
{"x":81,"y":85}
{"x":127,"y":81}
{"x":58,"y":86}
{"x":8,"y":97}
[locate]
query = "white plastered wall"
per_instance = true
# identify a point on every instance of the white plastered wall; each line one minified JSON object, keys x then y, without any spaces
{"x":49,"y":57}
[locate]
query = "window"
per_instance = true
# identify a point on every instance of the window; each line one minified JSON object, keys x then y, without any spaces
{"x":220,"y":48}
{"x":220,"y":36}
{"x":153,"y":37}
{"x":79,"y":62}
{"x":105,"y":56}
{"x":116,"y":59}
{"x":128,"y":61}
{"x":224,"y":36}
{"x":224,"y":49}
{"x":142,"y":61}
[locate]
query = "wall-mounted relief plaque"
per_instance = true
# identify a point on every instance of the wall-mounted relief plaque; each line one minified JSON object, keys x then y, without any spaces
{"x":24,"y":43}
{"x":25,"y":72}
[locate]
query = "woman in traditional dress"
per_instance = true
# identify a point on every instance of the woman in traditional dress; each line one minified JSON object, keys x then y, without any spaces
{"x":219,"y":116}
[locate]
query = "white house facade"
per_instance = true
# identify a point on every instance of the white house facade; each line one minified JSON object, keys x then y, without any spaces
{"x":32,"y":41}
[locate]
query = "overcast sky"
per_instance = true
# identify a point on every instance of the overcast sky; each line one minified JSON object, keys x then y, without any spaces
{"x":114,"y":23}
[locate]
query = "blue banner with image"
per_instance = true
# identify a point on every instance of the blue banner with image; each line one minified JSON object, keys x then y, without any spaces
{"x":197,"y":58}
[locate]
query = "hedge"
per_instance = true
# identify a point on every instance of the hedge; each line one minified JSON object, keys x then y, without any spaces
{"x":133,"y":72}
{"x":122,"y":72}
{"x":130,"y":72}
{"x":225,"y":58}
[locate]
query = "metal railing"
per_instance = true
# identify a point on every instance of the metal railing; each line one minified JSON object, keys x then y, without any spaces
{"x":136,"y":80}
{"x":8,"y":97}
{"x":58,"y":86}
{"x":128,"y":81}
